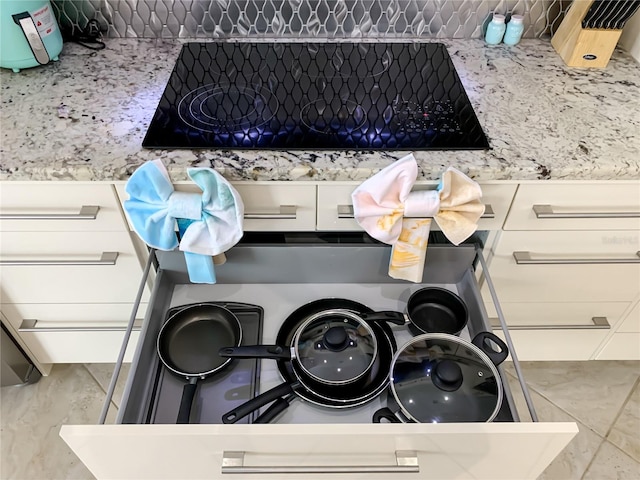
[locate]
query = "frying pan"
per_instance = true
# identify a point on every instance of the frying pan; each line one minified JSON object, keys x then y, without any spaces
{"x":332,"y":396}
{"x":333,"y":347}
{"x":188,"y":345}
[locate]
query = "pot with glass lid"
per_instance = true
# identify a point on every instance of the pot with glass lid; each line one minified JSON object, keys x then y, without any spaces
{"x":437,"y":378}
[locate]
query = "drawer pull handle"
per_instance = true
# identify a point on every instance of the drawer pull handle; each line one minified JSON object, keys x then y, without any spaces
{"x":107,"y":258}
{"x":87,"y":212}
{"x":406,"y":462}
{"x":32,"y":326}
{"x":346,"y":211}
{"x":546,"y":211}
{"x":524,"y":258}
{"x":286,"y":212}
{"x":597,"y":323}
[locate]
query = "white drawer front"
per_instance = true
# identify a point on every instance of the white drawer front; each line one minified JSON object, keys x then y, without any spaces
{"x":594,"y":206}
{"x":621,"y":346}
{"x":73,"y":333}
{"x":335,"y":209}
{"x":330,"y":199}
{"x":56,"y":207}
{"x":479,"y":451}
{"x":558,"y":331}
{"x":67,"y":283}
{"x":567,"y":281}
{"x":631,"y":323}
{"x":267,"y":207}
{"x":272,"y":207}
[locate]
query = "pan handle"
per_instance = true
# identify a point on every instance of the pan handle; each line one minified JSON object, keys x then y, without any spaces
{"x":277,"y":407}
{"x":497,"y":357}
{"x":275,"y":352}
{"x":396,"y":318}
{"x":260,"y":401}
{"x":387,"y":414}
{"x":188,"y":393}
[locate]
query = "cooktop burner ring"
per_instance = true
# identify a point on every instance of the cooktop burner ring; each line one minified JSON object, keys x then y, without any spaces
{"x":213,"y":107}
{"x":337,"y":117}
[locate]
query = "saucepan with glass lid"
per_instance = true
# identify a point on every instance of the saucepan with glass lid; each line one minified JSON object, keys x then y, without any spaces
{"x":436,"y":378}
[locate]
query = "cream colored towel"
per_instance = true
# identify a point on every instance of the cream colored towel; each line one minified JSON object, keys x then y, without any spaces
{"x":390,"y":212}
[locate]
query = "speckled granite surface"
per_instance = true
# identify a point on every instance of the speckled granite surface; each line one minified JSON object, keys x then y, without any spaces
{"x":543,"y":120}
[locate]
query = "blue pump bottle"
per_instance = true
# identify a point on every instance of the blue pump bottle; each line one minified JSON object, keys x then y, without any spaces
{"x":515,"y":27}
{"x":495,"y":30}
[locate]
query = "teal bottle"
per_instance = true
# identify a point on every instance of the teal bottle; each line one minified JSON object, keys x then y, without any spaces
{"x":515,"y":27}
{"x":495,"y":30}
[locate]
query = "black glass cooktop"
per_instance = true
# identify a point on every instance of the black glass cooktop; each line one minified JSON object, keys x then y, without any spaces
{"x":360,"y":96}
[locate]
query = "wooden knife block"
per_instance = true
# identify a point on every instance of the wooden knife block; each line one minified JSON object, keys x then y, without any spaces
{"x":582,"y":47}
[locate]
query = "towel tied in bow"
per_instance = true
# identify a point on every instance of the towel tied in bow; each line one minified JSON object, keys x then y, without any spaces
{"x":209,"y":222}
{"x":390,"y":212}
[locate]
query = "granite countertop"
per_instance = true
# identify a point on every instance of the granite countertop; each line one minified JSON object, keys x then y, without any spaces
{"x":543,"y":119}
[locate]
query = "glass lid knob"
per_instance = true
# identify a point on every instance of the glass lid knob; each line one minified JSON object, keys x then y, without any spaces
{"x":447,"y":376}
{"x":336,"y":339}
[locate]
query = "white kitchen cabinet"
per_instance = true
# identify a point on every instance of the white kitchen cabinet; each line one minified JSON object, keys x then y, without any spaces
{"x":73,"y":333}
{"x":556,"y":331}
{"x":631,"y":323}
{"x":69,"y":268}
{"x":63,"y":267}
{"x":621,"y":346}
{"x":576,"y":206}
{"x":58,"y":207}
{"x":278,"y":207}
{"x":624,"y":344}
{"x":335,"y":209}
{"x":559,"y":266}
{"x":567,"y":267}
{"x":268,"y":206}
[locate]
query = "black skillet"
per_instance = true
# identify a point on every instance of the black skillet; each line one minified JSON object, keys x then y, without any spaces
{"x":188,"y":345}
{"x":332,"y":396}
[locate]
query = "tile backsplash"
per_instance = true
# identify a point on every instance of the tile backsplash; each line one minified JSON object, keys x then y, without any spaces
{"x":304,"y":18}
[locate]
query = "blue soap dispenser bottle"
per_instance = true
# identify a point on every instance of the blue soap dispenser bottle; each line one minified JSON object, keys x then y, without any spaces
{"x":495,"y":30}
{"x":515,"y":27}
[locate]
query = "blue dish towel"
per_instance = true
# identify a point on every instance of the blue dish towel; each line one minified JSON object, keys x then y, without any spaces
{"x":209,"y":222}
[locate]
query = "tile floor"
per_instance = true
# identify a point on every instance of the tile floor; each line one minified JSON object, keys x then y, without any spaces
{"x":602,"y":397}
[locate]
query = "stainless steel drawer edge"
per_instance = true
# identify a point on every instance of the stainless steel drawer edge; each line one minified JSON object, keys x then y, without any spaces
{"x":507,"y":336}
{"x":127,"y":335}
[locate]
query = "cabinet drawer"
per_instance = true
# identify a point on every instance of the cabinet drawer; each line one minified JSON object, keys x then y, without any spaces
{"x":558,"y":331}
{"x":631,"y":323}
{"x":621,"y":346}
{"x":335,"y":210}
{"x":440,"y":451}
{"x":338,"y":444}
{"x":549,"y":266}
{"x":596,"y":206}
{"x":277,"y":207}
{"x":59,"y":207}
{"x":267,"y":207}
{"x":85,"y":274}
{"x":73,"y":333}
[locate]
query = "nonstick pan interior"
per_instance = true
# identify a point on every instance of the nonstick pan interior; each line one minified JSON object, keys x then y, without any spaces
{"x":188,"y":345}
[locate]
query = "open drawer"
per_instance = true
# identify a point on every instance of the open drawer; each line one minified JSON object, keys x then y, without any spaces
{"x":332,"y":444}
